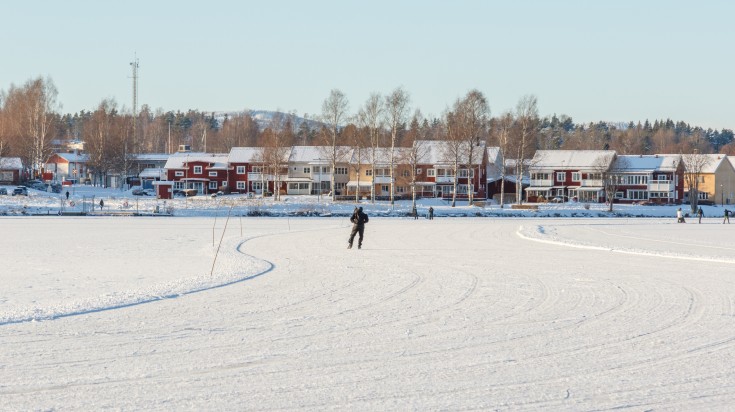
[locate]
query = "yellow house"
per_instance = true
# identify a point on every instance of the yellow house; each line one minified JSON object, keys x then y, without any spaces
{"x":364,"y":178}
{"x":716,"y":178}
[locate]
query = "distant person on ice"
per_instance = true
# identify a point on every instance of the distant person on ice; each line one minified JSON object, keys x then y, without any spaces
{"x":679,"y":216}
{"x":727,"y":217}
{"x":700,"y":213}
{"x":431,"y":213}
{"x":358,"y":219}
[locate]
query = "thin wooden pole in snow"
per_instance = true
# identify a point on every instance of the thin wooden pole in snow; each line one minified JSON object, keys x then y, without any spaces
{"x":220,"y":241}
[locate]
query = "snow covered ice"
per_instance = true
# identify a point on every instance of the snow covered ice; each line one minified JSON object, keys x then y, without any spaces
{"x":455,"y":313}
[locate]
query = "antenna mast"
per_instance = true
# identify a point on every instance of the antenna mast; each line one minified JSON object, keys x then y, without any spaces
{"x":134,"y":64}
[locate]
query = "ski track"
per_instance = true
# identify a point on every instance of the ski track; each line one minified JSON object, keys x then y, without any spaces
{"x":480,"y":326}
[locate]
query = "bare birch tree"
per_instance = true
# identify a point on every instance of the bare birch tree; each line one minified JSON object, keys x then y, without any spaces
{"x":472,"y":113}
{"x":372,"y":115}
{"x":31,"y":110}
{"x":694,"y":167}
{"x":454,"y":149}
{"x":503,"y":130}
{"x":527,"y":120}
{"x":396,"y":111}
{"x":334,"y":113}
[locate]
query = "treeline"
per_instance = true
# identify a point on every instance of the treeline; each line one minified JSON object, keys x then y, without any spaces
{"x":31,"y":123}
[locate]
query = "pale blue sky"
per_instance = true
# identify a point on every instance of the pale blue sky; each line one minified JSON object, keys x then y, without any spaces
{"x":592,"y":60}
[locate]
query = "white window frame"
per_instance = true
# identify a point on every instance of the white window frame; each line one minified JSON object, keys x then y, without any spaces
{"x":213,"y":184}
{"x":213,"y":174}
{"x":430,"y":172}
{"x":198,"y":170}
{"x":576,"y":176}
{"x":240,"y":170}
{"x":368,"y":172}
{"x":561,"y":176}
{"x":418,"y":170}
{"x":241,"y":185}
{"x":179,"y":173}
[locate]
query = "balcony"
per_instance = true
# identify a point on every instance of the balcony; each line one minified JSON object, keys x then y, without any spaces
{"x":591,"y":183}
{"x":542,"y":182}
{"x":444,"y":179}
{"x":660,"y":185}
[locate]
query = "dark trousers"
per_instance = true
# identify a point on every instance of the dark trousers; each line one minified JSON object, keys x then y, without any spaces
{"x":355,"y":230}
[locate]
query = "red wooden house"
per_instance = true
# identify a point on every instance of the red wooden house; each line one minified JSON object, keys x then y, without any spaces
{"x":437,"y":170}
{"x":569,"y":175}
{"x":649,"y":178}
{"x":10,"y":170}
{"x":205,"y":172}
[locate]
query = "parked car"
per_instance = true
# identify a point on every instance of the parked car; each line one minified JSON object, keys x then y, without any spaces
{"x":149,"y":192}
{"x":20,"y":190}
{"x":138,"y":192}
{"x":3,"y":191}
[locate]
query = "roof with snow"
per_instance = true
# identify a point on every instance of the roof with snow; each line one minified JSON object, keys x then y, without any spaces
{"x":647,"y":163}
{"x":151,"y":156}
{"x":11,"y":163}
{"x":438,"y":152}
{"x":711,"y":166}
{"x":318,"y":154}
{"x":180,"y":160}
{"x":571,"y":159}
{"x":74,"y":157}
{"x":246,"y":154}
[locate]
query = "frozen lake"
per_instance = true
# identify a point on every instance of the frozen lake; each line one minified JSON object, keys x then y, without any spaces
{"x":454,"y":313}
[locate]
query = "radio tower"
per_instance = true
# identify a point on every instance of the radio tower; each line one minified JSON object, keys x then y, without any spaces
{"x":134,"y":65}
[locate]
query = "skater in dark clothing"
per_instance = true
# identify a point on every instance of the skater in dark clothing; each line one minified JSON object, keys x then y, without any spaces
{"x":727,"y":217}
{"x":358,"y":219}
{"x":700,"y":213}
{"x":67,"y":195}
{"x":102,"y":204}
{"x":415,"y":213}
{"x":431,"y":213}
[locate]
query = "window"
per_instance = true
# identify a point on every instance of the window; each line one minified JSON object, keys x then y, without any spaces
{"x":635,"y":180}
{"x":307,"y":170}
{"x":541,"y":176}
{"x":197,"y":170}
{"x":663,"y":178}
{"x":385,"y":188}
{"x":256,"y":186}
{"x":257,"y":169}
{"x":637,"y":194}
{"x":405,"y":173}
{"x":368,"y":172}
{"x":430,"y":172}
{"x":179,"y":185}
{"x":224,"y":183}
{"x":340,"y":186}
{"x":213,"y":184}
{"x":594,"y":176}
{"x":418,"y":171}
{"x":179,"y":173}
{"x":240,"y":170}
{"x":561,"y":176}
{"x":240,"y":185}
{"x":340,"y":170}
{"x":619,"y":195}
{"x":213,"y":174}
{"x":400,"y":189}
{"x":576,"y":177}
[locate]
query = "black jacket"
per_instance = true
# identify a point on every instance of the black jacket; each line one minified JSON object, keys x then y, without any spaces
{"x":359,"y":218}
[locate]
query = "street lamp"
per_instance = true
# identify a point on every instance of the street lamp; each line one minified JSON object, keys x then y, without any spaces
{"x":722,"y":196}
